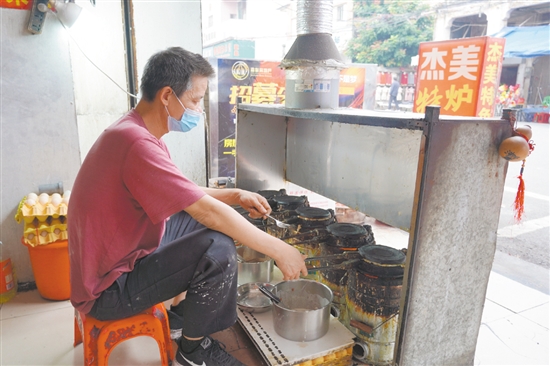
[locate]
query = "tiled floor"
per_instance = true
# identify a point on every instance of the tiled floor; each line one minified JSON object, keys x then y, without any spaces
{"x":515,"y":323}
{"x":514,"y":329}
{"x":34,"y":331}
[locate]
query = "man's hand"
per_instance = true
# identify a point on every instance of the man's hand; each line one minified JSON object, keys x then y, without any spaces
{"x":220,"y":217}
{"x":255,"y":204}
{"x":291,"y":262}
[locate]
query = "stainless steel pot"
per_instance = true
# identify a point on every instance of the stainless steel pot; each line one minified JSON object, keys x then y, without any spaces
{"x":253,"y":266}
{"x":304,"y":311}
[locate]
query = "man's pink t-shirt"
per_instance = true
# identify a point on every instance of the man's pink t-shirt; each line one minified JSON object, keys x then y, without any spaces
{"x":125,"y":190}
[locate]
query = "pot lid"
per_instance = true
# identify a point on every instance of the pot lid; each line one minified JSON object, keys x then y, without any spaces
{"x":313,"y":213}
{"x":382,"y":254}
{"x":347,"y":231}
{"x":289,"y":200}
{"x":272,"y":193}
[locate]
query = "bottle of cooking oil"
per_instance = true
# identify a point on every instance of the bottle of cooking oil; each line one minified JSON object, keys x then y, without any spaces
{"x":8,"y":283}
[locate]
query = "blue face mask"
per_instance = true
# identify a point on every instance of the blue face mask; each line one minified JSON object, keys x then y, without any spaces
{"x":189,"y":120}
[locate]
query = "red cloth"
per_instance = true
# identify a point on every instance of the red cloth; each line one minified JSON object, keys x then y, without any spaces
{"x":125,"y":190}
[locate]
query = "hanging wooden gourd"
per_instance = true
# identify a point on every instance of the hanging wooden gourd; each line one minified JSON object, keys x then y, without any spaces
{"x":517,"y":148}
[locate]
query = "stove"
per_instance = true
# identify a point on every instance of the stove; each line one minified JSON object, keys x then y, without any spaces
{"x":311,"y":224}
{"x":367,"y":293}
{"x":342,"y":238}
{"x":373,"y":294}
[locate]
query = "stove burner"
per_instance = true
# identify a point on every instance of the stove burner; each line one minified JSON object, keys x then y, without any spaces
{"x":347,"y":231}
{"x":313,"y":213}
{"x":381,"y":254}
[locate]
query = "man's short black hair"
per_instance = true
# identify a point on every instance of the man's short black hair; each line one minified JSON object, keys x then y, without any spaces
{"x":173,"y":67}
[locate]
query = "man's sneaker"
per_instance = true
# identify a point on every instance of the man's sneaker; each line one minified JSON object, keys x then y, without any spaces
{"x":176,"y":323}
{"x":209,"y":353}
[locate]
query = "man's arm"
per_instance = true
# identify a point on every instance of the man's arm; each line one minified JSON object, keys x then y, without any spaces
{"x":220,"y":217}
{"x":255,"y":204}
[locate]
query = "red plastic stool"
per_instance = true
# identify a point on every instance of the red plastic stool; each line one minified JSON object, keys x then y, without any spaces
{"x":100,"y":337}
{"x":541,"y":117}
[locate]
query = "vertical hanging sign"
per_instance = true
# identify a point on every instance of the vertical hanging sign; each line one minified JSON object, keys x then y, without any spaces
{"x":459,"y":75}
{"x":494,"y":55}
{"x":16,"y":4}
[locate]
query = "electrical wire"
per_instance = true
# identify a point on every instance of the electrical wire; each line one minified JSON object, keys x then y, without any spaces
{"x":86,"y":56}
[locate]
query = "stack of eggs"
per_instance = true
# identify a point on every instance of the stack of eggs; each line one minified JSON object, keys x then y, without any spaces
{"x":45,"y":217}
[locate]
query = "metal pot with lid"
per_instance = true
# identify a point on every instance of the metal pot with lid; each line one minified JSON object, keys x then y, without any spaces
{"x":314,"y":217}
{"x":352,"y":236}
{"x":285,"y":203}
{"x":306,"y":221}
{"x":381,"y":261}
{"x":374,"y":260}
{"x":270,"y":194}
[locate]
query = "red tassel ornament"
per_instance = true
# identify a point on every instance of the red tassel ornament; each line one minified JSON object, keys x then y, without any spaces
{"x":517,"y":148}
{"x":520,"y":196}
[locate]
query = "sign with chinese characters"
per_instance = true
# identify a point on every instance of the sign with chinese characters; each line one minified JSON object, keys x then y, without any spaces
{"x":460,"y":75}
{"x":257,"y":82}
{"x":16,"y":4}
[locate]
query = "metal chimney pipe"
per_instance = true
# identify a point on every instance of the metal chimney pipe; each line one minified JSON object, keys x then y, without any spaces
{"x":313,"y":63}
{"x":314,"y":16}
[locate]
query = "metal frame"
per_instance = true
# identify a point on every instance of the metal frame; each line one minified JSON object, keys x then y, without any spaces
{"x":445,"y":181}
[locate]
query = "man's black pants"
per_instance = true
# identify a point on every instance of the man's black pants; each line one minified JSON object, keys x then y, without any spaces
{"x":190,"y":258}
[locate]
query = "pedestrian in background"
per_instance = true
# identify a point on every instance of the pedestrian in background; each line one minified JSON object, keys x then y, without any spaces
{"x":394,"y":89}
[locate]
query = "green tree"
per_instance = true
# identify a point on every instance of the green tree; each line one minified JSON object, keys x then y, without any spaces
{"x":388,"y":32}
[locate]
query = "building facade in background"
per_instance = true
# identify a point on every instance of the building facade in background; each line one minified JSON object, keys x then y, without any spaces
{"x":265,"y":30}
{"x":460,"y":19}
{"x":269,"y":24}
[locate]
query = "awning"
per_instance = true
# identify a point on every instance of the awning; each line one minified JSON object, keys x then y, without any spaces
{"x":526,"y":41}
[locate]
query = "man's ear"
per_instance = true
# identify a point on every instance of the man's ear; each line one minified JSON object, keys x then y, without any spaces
{"x":163,"y":95}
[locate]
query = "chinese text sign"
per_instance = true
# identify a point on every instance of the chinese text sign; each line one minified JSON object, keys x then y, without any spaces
{"x":260,"y":82}
{"x":461,"y":76}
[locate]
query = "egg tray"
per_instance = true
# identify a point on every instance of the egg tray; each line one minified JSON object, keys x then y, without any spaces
{"x":43,"y":223}
{"x":39,"y":211}
{"x":37,"y":233}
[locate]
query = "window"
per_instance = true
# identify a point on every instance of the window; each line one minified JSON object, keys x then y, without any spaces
{"x":241,"y":9}
{"x":340,"y":13}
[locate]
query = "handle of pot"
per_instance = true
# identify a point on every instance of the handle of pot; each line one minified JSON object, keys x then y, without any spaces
{"x":367,"y":328}
{"x":269,"y":294}
{"x":330,"y":256}
{"x":361,"y":326}
{"x":344,"y":265}
{"x":315,"y":232}
{"x":334,"y":311}
{"x":334,"y":256}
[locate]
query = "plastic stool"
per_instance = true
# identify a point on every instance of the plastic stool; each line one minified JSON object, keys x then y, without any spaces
{"x":100,"y":337}
{"x":541,"y":117}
